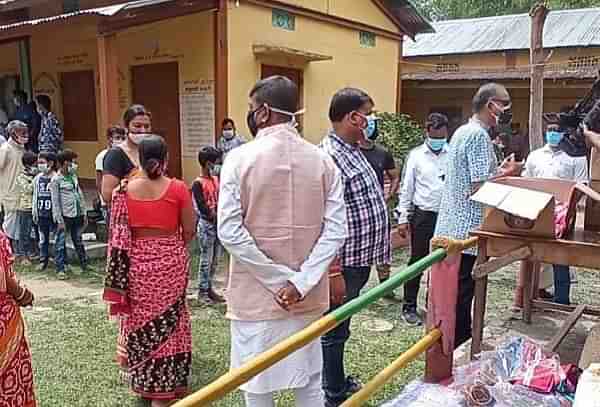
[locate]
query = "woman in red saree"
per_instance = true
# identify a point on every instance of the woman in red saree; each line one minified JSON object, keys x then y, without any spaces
{"x":152,"y":221}
{"x":16,"y":373}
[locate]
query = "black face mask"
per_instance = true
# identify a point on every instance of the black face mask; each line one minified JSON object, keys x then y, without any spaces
{"x":251,"y":121}
{"x":505,"y":118}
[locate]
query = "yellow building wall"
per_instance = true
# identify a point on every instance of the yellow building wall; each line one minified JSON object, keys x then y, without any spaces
{"x":187,"y":40}
{"x":363,"y":11}
{"x":372,"y":69}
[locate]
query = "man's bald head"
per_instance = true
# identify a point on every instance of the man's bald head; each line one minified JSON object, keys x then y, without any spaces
{"x":276,"y":91}
{"x":489,"y":91}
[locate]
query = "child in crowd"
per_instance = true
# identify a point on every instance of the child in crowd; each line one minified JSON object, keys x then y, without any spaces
{"x":205,"y":192}
{"x":25,"y":251}
{"x":42,"y":204}
{"x":68,"y":210}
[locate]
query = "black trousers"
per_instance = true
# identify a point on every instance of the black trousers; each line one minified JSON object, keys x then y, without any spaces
{"x":333,"y":342}
{"x":422,"y":228}
{"x":464,"y":303}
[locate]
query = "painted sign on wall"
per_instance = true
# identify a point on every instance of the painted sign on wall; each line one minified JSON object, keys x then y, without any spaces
{"x":197,"y":116}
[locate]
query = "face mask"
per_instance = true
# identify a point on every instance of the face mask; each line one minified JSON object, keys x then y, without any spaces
{"x":253,"y":126}
{"x":554,"y":137}
{"x":43,"y":168}
{"x":228,"y":134}
{"x":117,"y":141}
{"x":73,"y":168}
{"x":504,"y":118}
{"x":370,"y":132}
{"x":251,"y":121}
{"x":16,"y":102}
{"x":436,"y":144}
{"x":136,"y":138}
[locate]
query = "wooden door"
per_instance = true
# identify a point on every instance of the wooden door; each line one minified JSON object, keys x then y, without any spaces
{"x":295,"y":75}
{"x":156,"y":86}
{"x":78,"y":91}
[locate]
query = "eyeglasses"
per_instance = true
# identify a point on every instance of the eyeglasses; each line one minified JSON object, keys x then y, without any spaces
{"x":505,"y":103}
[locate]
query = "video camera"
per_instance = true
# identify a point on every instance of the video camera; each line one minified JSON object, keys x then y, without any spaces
{"x":586,"y":111}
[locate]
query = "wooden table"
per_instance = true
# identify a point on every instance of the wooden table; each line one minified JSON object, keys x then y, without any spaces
{"x":579,"y":249}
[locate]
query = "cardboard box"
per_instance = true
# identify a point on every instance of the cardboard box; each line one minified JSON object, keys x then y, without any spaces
{"x":514,"y":210}
{"x":525,"y":206}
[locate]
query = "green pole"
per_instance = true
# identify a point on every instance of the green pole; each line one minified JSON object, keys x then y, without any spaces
{"x":25,"y":63}
{"x":350,"y":308}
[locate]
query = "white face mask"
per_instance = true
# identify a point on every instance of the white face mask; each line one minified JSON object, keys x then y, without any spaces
{"x":136,"y":138}
{"x":228,"y":134}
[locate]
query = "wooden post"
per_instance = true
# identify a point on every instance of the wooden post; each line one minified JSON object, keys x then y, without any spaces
{"x":109,"y":81}
{"x":536,"y":58}
{"x":221,"y":65}
{"x":481,"y":286}
{"x":399,"y":80}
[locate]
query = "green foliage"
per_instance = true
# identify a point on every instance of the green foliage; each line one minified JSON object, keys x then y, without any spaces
{"x":399,"y":134}
{"x":452,"y":9}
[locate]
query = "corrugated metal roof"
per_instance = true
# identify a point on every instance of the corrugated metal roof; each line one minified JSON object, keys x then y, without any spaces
{"x":563,"y":28}
{"x":106,"y":11}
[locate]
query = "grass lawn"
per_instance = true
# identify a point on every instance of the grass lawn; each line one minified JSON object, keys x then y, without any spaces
{"x":73,"y":343}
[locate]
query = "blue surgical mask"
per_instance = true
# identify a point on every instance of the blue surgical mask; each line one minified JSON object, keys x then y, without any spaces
{"x":436,"y":144}
{"x":370,"y":132}
{"x":554,"y":138}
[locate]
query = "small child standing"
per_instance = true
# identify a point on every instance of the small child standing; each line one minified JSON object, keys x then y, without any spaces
{"x":42,"y":204}
{"x":205,"y":191}
{"x":24,"y":183}
{"x":67,"y":210}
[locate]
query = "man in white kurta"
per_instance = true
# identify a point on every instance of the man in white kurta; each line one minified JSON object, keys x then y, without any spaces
{"x":282,"y":218}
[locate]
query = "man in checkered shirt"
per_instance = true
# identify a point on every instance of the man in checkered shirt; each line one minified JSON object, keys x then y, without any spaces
{"x":368,"y":243}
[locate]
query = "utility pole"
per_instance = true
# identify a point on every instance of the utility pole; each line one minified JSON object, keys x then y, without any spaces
{"x":538,"y":15}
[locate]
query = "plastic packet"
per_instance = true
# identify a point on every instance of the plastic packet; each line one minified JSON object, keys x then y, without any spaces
{"x":508,"y":395}
{"x":419,"y":394}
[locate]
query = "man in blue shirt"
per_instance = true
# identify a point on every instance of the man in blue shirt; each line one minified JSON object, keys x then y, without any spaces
{"x":471,"y":162}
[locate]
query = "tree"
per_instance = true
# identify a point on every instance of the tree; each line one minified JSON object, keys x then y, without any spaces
{"x":451,"y":9}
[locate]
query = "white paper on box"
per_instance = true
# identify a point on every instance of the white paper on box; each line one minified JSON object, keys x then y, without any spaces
{"x":521,"y":202}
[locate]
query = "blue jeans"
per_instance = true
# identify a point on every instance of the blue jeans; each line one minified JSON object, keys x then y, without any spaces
{"x":562,"y":284}
{"x":73,"y":226}
{"x":334,"y":341}
{"x":208,"y":243}
{"x":45,"y":227}
{"x":25,"y":242}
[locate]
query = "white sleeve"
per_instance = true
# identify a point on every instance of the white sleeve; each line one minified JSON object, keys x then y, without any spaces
{"x":333,"y":236}
{"x":529,"y":170}
{"x":100,"y":161}
{"x":580,"y":169}
{"x":237,"y":239}
{"x":407,"y":191}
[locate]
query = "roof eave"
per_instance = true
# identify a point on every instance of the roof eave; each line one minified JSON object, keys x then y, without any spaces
{"x":406,"y":17}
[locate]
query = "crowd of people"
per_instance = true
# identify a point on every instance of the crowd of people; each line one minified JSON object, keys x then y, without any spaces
{"x":303,"y":225}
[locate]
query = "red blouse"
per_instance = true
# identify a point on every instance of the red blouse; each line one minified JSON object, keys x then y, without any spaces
{"x":162,"y":213}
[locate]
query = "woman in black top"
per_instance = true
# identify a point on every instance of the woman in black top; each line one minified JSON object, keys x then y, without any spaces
{"x":123,"y":161}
